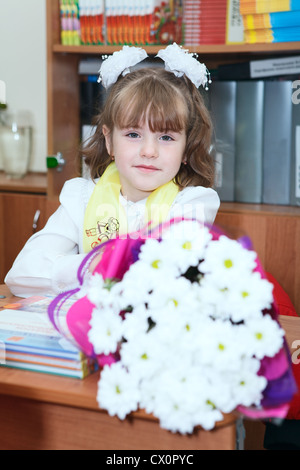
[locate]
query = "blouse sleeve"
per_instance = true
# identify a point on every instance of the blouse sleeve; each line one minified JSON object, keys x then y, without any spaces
{"x":49,"y":261}
{"x":196,"y":202}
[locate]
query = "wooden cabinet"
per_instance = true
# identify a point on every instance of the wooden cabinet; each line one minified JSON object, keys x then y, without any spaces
{"x":274,"y":230}
{"x":23,"y":210}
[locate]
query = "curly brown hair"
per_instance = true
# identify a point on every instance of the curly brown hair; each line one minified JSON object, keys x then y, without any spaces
{"x":168,"y":103}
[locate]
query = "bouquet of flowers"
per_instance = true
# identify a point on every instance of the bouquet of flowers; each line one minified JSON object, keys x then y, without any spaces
{"x":184,"y":325}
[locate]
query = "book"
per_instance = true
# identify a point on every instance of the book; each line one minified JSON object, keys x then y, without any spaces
{"x":166,"y":24}
{"x":276,"y":19}
{"x":267,"y":6}
{"x":277,"y":142}
{"x":205,"y":22}
{"x":30,"y":341}
{"x":270,"y":35}
{"x":295,"y":149}
{"x":75,"y":374}
{"x":74,"y":369}
{"x":143,"y":22}
{"x":234,"y":23}
{"x":212,"y":22}
{"x":249,"y":141}
{"x":91,"y":21}
{"x":32,"y":332}
{"x":223,"y":113}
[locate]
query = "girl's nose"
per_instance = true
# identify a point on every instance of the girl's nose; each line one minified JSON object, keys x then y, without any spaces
{"x":149,"y":148}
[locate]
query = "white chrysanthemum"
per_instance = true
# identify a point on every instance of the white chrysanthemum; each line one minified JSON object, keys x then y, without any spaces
{"x":119,"y":63}
{"x":183,"y":333}
{"x":171,"y":404}
{"x":136,"y":323}
{"x":226,"y":257}
{"x":247,"y":387}
{"x":186,"y":242}
{"x":118,"y":391}
{"x":218,"y":391}
{"x":218,"y":345}
{"x":176,"y":295}
{"x":212,"y":299}
{"x":142,"y":356}
{"x":206,"y":411}
{"x":134,"y":288}
{"x":106,"y":331}
{"x":264,"y":336}
{"x":181,"y":62}
{"x":157,"y":258}
{"x":248,"y":296}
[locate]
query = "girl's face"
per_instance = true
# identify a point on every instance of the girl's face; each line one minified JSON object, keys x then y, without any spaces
{"x":145,"y":159}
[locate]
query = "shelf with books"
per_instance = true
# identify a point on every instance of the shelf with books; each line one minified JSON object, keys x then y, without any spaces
{"x":272,"y":48}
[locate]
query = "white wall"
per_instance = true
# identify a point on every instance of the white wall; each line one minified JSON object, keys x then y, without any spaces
{"x":23,"y":67}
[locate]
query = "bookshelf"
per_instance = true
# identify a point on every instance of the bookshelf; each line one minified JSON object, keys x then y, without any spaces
{"x":275,"y":230}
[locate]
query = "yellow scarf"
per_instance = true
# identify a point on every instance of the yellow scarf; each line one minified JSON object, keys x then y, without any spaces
{"x":105,"y":217}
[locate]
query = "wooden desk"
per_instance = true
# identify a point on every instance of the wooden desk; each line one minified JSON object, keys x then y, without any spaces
{"x":40,"y":411}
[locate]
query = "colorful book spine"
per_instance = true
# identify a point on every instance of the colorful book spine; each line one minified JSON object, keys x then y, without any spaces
{"x":267,"y":6}
{"x":272,"y":20}
{"x":256,"y":36}
{"x":167,"y":22}
{"x":81,"y":371}
{"x":234,"y":24}
{"x":64,"y":24}
{"x":89,"y":21}
{"x":205,"y":22}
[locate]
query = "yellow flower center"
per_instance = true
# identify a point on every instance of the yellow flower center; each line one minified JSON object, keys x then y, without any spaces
{"x":155,"y":264}
{"x":187,"y":246}
{"x":245,"y":294}
{"x":228,"y":263}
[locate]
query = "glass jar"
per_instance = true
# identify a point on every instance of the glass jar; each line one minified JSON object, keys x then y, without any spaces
{"x":16,"y":144}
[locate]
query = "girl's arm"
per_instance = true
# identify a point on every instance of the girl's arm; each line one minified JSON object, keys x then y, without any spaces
{"x":196,"y":202}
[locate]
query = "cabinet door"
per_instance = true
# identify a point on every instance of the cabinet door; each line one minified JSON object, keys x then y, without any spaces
{"x":21,"y":215}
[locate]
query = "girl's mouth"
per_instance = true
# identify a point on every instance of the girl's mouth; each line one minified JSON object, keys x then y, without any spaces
{"x":147,"y":168}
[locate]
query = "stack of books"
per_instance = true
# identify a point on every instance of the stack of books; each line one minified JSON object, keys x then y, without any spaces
{"x":118,"y":22}
{"x":29,"y":341}
{"x":150,"y":22}
{"x":205,"y":21}
{"x":272,"y":21}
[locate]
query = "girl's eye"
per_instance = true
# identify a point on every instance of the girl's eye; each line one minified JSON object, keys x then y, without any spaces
{"x":167,"y":138}
{"x":132,"y":135}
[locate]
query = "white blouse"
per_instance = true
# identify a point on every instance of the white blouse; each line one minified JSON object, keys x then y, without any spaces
{"x":48,"y":263}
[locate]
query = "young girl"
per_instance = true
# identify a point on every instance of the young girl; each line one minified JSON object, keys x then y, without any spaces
{"x":149,"y":161}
